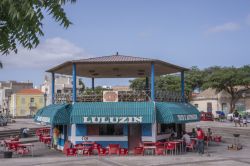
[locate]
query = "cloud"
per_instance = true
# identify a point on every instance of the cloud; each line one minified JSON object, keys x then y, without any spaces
{"x":51,"y":52}
{"x":230,"y":26}
{"x":248,"y":19}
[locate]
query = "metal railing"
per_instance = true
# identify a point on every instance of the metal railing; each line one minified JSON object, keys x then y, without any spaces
{"x":123,"y":96}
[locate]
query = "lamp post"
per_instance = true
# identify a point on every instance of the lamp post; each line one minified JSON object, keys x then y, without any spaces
{"x":45,"y":99}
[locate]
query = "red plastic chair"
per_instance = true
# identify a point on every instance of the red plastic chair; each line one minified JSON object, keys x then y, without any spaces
{"x":138,"y":151}
{"x":95,"y":148}
{"x":170,"y":147}
{"x":87,"y":151}
{"x":160,"y":148}
{"x":123,"y":152}
{"x":191,"y":146}
{"x":102,"y":151}
{"x":22,"y":150}
{"x":114,"y":149}
{"x":71,"y":152}
{"x":217,"y":139}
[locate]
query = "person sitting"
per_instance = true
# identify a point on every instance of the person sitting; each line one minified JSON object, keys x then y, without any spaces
{"x":25,"y":132}
{"x":186,"y":138}
{"x":193,"y":133}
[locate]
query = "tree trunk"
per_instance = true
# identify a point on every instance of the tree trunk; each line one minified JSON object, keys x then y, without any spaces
{"x":232,"y":106}
{"x":232,"y":103}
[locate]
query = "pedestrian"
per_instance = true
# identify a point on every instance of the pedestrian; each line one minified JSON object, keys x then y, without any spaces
{"x":209,"y":134}
{"x":236,"y":117}
{"x":55,"y":137}
{"x":244,"y":121}
{"x":200,"y":140}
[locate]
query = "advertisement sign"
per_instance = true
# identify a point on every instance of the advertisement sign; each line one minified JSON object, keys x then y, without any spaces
{"x":110,"y":96}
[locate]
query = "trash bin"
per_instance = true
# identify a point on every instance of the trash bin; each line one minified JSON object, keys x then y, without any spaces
{"x":7,"y":154}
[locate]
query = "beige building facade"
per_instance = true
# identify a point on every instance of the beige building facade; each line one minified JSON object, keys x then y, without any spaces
{"x":26,"y":102}
{"x":211,"y":101}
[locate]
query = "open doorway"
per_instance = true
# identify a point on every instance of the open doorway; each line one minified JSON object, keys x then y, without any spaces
{"x":134,"y":136}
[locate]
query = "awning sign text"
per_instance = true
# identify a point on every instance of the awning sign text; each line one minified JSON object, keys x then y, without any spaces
{"x":43,"y":119}
{"x":187,"y":117}
{"x":108,"y":120}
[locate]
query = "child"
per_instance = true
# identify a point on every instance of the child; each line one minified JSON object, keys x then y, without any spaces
{"x":244,"y":121}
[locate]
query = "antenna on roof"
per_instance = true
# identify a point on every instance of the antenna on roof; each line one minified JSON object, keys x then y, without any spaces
{"x":117,"y":53}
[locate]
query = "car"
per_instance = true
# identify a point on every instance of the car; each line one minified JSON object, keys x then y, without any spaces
{"x":206,"y":116}
{"x":230,"y":117}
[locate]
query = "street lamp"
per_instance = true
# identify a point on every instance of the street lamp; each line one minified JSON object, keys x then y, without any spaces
{"x":45,"y":99}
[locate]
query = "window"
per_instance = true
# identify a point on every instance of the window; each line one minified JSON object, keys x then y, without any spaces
{"x":32,"y":100}
{"x":224,"y":107}
{"x":196,"y":105}
{"x":59,"y":91}
{"x":165,"y":128}
{"x":209,"y":107}
{"x":105,"y":129}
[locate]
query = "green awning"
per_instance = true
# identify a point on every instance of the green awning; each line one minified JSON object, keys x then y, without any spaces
{"x":112,"y":112}
{"x":54,"y":114}
{"x":170,"y":112}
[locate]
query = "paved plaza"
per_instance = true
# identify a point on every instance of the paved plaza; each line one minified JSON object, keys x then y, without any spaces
{"x":20,"y":123}
{"x":217,"y":154}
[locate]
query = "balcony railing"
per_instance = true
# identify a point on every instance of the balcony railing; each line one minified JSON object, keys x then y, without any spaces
{"x":123,"y":96}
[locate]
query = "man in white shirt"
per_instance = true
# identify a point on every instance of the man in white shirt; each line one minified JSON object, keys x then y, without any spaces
{"x":186,"y":138}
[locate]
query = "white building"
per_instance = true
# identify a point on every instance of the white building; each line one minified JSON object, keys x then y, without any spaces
{"x":63,"y":85}
{"x":7,"y":88}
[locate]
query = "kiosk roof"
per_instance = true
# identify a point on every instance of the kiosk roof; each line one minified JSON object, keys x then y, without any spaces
{"x":116,"y":66}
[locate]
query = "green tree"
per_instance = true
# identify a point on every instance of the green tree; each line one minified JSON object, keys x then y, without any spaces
{"x":234,"y":81}
{"x":21,"y":21}
{"x":138,"y":84}
{"x":194,"y":78}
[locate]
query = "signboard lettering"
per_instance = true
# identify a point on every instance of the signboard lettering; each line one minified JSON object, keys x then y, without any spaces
{"x":133,"y":119}
{"x":43,"y":119}
{"x":187,"y":117}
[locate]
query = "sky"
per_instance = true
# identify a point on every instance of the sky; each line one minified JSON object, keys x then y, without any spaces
{"x":188,"y":33}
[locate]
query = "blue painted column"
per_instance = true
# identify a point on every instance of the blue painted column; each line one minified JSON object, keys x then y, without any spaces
{"x":93,"y":83}
{"x":152,"y":82}
{"x":182,"y":87}
{"x":74,"y":82}
{"x":146,"y":85}
{"x":52,"y":88}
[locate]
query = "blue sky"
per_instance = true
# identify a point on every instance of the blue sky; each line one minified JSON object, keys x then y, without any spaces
{"x":184,"y":32}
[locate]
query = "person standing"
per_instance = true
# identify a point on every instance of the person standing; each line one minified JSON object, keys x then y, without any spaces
{"x":244,"y":121}
{"x":236,"y":117}
{"x":200,"y":140}
{"x":209,"y":134}
{"x":56,"y":133}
